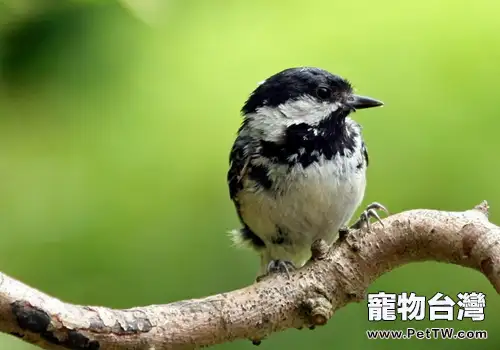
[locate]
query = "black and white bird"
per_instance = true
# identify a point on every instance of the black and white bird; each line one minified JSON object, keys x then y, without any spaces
{"x":298,"y":165}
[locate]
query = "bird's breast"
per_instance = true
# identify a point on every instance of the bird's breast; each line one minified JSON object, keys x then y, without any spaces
{"x":305,"y":204}
{"x":320,"y":199}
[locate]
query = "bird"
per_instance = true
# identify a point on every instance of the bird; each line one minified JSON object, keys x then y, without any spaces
{"x":297,"y":168}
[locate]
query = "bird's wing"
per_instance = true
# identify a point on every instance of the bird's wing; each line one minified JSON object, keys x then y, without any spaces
{"x":239,"y":159}
{"x":365,"y":153}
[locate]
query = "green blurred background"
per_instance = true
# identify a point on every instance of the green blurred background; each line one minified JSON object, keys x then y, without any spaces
{"x":116,"y":119}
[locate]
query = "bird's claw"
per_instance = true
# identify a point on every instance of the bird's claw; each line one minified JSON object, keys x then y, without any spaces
{"x":370,"y":212}
{"x":278,"y":267}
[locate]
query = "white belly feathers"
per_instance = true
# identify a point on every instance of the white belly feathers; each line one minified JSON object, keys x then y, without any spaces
{"x":308,"y":204}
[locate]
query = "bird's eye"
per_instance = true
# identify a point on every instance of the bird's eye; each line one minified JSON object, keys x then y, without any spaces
{"x":323,"y":93}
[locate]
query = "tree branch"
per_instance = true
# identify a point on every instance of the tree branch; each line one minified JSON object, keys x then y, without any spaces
{"x":307,"y":297}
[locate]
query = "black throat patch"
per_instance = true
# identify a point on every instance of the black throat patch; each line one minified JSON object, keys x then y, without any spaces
{"x":304,"y":144}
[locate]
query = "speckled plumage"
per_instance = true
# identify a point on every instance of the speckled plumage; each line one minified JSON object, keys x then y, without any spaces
{"x":298,"y":166}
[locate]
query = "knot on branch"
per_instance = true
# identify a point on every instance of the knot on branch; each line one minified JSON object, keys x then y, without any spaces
{"x":483,"y":207}
{"x":319,"y":249}
{"x":318,"y":308}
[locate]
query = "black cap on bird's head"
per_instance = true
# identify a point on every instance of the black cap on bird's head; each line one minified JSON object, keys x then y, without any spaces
{"x":316,"y":85}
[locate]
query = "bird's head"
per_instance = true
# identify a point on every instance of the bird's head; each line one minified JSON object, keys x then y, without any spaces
{"x":301,"y":95}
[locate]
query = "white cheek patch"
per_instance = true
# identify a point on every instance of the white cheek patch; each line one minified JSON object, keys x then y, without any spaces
{"x":307,"y":110}
{"x":269,"y":123}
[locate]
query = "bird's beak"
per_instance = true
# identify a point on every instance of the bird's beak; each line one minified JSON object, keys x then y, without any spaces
{"x":360,"y":102}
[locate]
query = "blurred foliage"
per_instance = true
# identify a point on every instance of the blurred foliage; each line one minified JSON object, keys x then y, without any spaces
{"x":115,"y":132}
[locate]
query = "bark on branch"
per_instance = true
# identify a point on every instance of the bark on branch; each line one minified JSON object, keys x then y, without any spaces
{"x":307,"y":297}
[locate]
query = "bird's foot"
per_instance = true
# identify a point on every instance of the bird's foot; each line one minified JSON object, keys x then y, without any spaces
{"x":367,"y":214}
{"x":279,"y":267}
